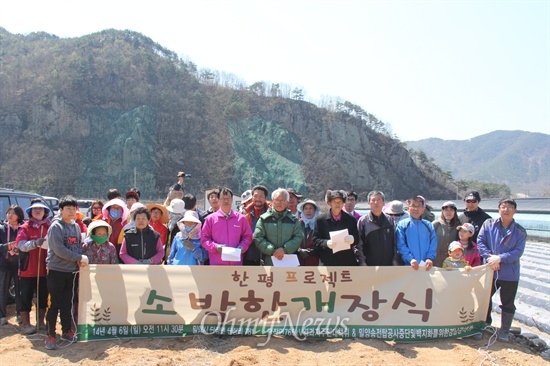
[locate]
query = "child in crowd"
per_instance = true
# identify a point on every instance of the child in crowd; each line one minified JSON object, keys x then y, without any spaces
{"x":97,"y":247}
{"x":455,"y":259}
{"x":186,"y":248}
{"x":471,"y":253}
{"x":64,"y":259}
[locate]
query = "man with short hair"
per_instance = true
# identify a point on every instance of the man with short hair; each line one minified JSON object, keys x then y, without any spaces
{"x":416,"y":237}
{"x":501,"y":243}
{"x":278,"y":231}
{"x":225,"y":228}
{"x":349,"y":206}
{"x":214,"y":202}
{"x":254,"y":210}
{"x":377,"y":246}
{"x":473,"y":214}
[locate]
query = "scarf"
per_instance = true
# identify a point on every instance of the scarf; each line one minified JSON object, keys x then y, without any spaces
{"x":310,"y":223}
{"x":174,"y":218}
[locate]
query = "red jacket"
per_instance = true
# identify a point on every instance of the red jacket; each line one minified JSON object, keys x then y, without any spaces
{"x":32,"y":230}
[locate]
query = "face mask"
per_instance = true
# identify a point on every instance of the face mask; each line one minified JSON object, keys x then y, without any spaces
{"x":115,"y":214}
{"x":99,"y":239}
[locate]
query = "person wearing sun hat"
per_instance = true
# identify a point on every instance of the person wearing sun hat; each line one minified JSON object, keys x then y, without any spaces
{"x":445,"y":229}
{"x":97,"y":246}
{"x":176,"y":210}
{"x":186,"y":247}
{"x":31,"y":242}
{"x":159,"y":219}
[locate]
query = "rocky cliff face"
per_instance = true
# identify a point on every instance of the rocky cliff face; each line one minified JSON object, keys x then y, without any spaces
{"x":70,"y":138}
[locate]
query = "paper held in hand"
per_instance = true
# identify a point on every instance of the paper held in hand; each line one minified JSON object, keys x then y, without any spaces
{"x":337,"y":238}
{"x":289,"y":260}
{"x":231,"y":254}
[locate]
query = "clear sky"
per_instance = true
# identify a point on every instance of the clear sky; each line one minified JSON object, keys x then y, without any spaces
{"x":448,"y":69}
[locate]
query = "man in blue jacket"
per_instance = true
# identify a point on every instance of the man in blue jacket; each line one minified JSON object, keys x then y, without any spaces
{"x":416,"y":238}
{"x":501,"y":243}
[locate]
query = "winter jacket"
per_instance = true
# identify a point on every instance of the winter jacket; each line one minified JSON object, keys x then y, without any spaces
{"x":324,"y":225}
{"x":476,"y":218}
{"x":446,"y":234}
{"x":276,"y":230}
{"x":472,"y":255}
{"x":377,"y":246}
{"x":311,"y":256}
{"x":180,"y":255}
{"x":355,"y":214}
{"x":64,"y":246}
{"x":141,"y":244}
{"x":253,"y":253}
{"x":232,"y":231}
{"x":509,"y":246}
{"x":33,"y":260}
{"x":416,"y":239}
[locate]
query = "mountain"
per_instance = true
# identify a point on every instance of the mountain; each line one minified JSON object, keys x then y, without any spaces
{"x":519,"y":159}
{"x":81,"y":115}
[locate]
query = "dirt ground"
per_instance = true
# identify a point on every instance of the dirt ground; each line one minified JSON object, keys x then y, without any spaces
{"x":16,"y":349}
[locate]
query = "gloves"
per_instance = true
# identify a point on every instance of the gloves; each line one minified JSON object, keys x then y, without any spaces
{"x":38,"y":242}
{"x":188,"y":245}
{"x":493,"y":259}
{"x":44,"y":245}
{"x":219,"y":247}
{"x":144,"y":261}
{"x":330,"y":244}
{"x":349,"y":239}
{"x":85,"y":259}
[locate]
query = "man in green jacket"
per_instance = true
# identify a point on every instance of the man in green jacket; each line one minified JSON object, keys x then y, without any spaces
{"x":278,"y":231}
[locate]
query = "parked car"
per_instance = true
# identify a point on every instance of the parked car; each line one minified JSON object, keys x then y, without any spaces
{"x":84,"y":206}
{"x":10,"y":197}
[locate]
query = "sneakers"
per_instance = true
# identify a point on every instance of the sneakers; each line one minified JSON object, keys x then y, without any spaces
{"x":3,"y":321}
{"x":50,"y":343}
{"x":69,"y":336}
{"x":27,"y":329}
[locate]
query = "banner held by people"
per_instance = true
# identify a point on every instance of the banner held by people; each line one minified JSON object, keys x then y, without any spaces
{"x":390,"y":303}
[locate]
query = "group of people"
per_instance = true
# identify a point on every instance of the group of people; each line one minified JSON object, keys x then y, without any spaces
{"x":262,"y":231}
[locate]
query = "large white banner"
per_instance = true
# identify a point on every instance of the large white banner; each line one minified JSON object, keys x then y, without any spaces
{"x":392,"y":303}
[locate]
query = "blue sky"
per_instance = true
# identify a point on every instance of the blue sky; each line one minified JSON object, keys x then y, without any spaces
{"x":448,"y":69}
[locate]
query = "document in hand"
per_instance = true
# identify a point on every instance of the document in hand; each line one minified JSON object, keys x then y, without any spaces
{"x":337,"y":238}
{"x":289,"y":260}
{"x":231,"y":254}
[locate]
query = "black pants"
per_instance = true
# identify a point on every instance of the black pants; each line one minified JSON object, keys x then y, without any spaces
{"x":508,"y":290}
{"x":63,"y":287}
{"x":28,"y":288}
{"x":5,"y":279}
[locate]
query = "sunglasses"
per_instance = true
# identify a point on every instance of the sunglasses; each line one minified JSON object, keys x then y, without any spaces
{"x":471,"y":201}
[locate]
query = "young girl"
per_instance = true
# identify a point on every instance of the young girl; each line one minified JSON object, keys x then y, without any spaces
{"x":471,"y":253}
{"x":186,"y":248}
{"x":97,"y":247}
{"x":31,"y":241}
